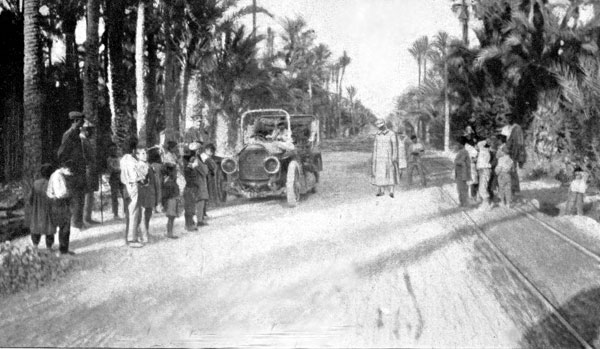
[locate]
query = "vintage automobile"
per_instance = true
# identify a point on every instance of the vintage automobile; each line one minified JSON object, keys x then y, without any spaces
{"x":278,"y":156}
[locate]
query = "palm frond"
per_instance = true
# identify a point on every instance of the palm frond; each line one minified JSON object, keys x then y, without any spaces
{"x":486,"y":54}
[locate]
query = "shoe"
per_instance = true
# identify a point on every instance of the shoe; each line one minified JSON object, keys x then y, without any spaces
{"x":191,"y":228}
{"x":172,"y":237}
{"x":70,"y":253}
{"x":201,"y":224}
{"x":379,"y":194}
{"x":392,"y":195}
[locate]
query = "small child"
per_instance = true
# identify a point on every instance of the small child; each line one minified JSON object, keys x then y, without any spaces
{"x":503,"y":168}
{"x":577,"y":191}
{"x":170,"y":197}
{"x":473,"y":183}
{"x":59,"y":195}
{"x":41,"y":217}
{"x":484,"y":169}
{"x":147,"y":196}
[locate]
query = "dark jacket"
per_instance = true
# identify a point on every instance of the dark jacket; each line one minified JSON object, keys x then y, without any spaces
{"x":462,"y":165}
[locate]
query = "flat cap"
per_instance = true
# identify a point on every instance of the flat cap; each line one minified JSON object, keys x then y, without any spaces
{"x":75,"y":115}
{"x":194,"y":146}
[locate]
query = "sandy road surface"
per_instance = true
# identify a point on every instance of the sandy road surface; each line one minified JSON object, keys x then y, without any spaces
{"x":343,"y":269}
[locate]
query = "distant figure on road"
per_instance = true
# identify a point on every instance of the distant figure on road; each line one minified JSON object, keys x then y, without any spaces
{"x":403,"y":142}
{"x":484,"y":169}
{"x":515,"y":144}
{"x":384,"y":172}
{"x":71,"y":149}
{"x":503,"y":170}
{"x":462,"y":171}
{"x":415,"y":162}
{"x":577,"y":191}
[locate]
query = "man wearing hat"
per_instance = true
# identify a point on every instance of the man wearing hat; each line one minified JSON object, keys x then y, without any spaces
{"x":87,"y":131}
{"x":71,"y":149}
{"x":385,"y":159}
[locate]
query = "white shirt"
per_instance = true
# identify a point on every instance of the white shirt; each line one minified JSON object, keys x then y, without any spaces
{"x":132,"y":170}
{"x":579,"y":185}
{"x":57,"y":185}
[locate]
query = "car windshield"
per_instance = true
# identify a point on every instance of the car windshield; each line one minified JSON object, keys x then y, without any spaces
{"x":268,"y":128}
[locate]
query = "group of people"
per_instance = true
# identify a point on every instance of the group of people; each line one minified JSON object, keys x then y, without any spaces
{"x":393,"y":154}
{"x":487,"y":167}
{"x":146,"y":179}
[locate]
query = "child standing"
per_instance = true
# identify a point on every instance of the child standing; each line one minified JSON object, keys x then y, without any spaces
{"x":60,"y":200}
{"x":462,"y":170}
{"x":577,"y":192}
{"x":484,"y":169}
{"x":170,"y":198}
{"x":473,"y":183}
{"x":41,"y":218}
{"x":503,"y":171}
{"x":148,"y":196}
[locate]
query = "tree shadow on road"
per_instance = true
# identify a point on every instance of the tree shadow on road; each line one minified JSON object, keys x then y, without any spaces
{"x":582,"y":312}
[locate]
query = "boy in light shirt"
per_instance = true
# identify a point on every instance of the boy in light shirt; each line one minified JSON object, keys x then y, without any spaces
{"x":577,"y":192}
{"x":503,"y":169}
{"x":484,"y":172}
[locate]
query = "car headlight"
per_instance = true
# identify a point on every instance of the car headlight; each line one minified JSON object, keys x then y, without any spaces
{"x":229,"y":166}
{"x":272,"y":165}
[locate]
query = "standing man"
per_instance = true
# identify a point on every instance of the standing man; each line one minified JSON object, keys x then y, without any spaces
{"x":462,"y":172}
{"x":71,"y":150}
{"x":402,"y":153}
{"x":384,"y":172}
{"x":416,"y":151}
{"x":91,"y":177}
{"x":133,"y":174}
{"x":515,"y":144}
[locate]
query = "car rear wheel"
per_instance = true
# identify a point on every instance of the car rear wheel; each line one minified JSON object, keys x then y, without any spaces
{"x":293,"y":183}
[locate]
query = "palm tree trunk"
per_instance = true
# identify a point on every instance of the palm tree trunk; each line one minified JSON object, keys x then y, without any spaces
{"x":170,"y":91}
{"x":151,"y":97}
{"x":340,"y":130}
{"x":90,"y":76}
{"x":32,"y":90}
{"x":186,"y":73}
{"x":71,"y":59}
{"x":446,"y":111}
{"x":120,"y":120}
{"x":140,"y":82}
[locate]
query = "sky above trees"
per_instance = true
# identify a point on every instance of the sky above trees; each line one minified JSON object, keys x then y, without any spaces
{"x":375,"y":33}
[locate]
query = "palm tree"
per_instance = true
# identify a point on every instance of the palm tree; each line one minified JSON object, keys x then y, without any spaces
{"x":344,"y":61}
{"x":140,"y":82}
{"x":120,"y":119}
{"x":440,"y":44}
{"x":419,"y":50}
{"x":351,"y":90}
{"x":32,"y":90}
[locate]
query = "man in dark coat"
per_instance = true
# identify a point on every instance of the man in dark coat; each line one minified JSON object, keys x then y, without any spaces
{"x":87,"y":131}
{"x":71,"y":149}
{"x":516,"y":150}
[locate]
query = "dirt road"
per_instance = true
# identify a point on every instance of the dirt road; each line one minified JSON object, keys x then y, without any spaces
{"x":344,"y":268}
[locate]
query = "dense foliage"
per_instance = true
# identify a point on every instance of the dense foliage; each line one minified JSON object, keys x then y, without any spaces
{"x":534,"y":58}
{"x":201,"y":67}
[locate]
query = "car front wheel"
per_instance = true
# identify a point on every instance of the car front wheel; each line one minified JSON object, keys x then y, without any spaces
{"x":293,"y":183}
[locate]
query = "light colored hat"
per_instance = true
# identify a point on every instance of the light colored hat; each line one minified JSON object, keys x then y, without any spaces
{"x":379,"y":122}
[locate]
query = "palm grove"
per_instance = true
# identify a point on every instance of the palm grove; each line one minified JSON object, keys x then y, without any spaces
{"x":151,"y":67}
{"x":537,"y":58}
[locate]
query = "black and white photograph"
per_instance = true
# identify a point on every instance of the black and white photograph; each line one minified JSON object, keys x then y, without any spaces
{"x":300,"y":174}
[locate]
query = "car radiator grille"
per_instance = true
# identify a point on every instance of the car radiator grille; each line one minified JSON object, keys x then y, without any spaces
{"x":251,"y":164}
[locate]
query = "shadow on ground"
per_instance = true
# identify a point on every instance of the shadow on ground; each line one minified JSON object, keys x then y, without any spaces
{"x":582,"y":312}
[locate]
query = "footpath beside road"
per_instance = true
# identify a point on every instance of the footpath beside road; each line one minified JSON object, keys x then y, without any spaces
{"x":343,"y":269}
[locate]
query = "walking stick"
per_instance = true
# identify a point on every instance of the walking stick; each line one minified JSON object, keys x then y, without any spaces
{"x":101,"y":202}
